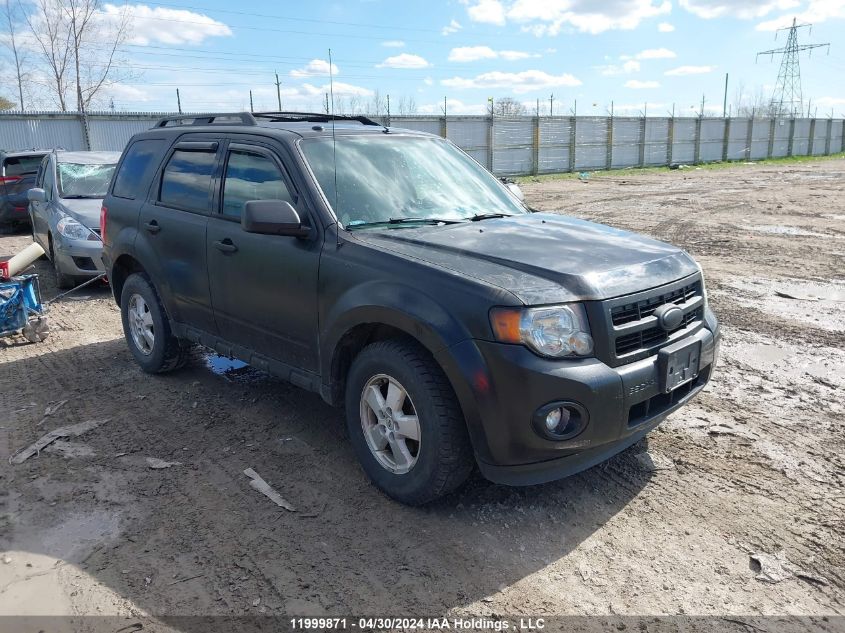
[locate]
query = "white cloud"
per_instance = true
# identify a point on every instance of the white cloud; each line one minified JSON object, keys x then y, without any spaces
{"x":630,"y":66}
{"x":453,"y":27}
{"x":164,"y":26}
{"x":475,"y":53}
{"x":404,"y":60}
{"x":428,"y":81}
{"x":680,"y":71}
{"x":549,"y":17}
{"x":816,"y":12}
{"x":487,"y":12}
{"x":315,"y":68}
{"x":453,"y":106}
{"x":665,"y":27}
{"x":519,"y":83}
{"x":743,"y":9}
{"x":656,"y":53}
{"x":339,"y":88}
{"x":636,"y":84}
{"x":393,"y":44}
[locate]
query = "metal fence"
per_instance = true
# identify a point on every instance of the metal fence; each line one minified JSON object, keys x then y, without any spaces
{"x":508,"y":146}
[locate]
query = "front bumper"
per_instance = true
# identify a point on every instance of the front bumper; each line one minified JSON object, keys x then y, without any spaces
{"x":79,"y":258}
{"x":508,"y":383}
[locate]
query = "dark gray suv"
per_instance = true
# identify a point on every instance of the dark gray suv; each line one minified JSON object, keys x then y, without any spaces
{"x":389,"y":272}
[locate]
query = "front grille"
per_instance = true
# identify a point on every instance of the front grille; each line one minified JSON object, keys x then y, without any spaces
{"x":633,"y":330}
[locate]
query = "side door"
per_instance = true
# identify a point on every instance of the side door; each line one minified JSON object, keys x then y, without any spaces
{"x":39,"y":211}
{"x":263,"y":287}
{"x":172,"y":228}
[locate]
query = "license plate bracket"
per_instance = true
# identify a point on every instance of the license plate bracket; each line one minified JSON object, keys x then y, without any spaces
{"x":678,"y":364}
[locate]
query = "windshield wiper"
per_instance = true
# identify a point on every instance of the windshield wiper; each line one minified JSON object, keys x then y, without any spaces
{"x":389,"y":221}
{"x":81,"y":197}
{"x":488,"y":216}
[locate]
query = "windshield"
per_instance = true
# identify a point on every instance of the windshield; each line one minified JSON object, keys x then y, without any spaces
{"x":84,"y":180}
{"x":383,"y":178}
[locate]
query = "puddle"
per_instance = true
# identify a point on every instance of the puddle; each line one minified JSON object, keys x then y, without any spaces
{"x":775,"y":229}
{"x":819,"y":304}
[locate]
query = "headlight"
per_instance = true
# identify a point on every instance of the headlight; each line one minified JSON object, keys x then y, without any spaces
{"x":73,"y":230}
{"x":554,"y":331}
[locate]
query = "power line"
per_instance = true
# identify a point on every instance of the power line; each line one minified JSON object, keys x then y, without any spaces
{"x":787,"y":99}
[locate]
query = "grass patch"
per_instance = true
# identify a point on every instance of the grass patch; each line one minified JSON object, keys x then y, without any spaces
{"x":615,"y":173}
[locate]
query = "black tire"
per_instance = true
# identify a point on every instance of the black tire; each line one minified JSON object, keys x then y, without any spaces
{"x":445,"y":458}
{"x":63,"y":281}
{"x":167,"y":352}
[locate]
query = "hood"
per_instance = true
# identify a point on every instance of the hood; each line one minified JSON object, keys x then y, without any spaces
{"x":543,"y":257}
{"x":84,"y":210}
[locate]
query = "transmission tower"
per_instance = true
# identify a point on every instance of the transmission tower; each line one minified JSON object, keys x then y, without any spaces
{"x":786,"y":98}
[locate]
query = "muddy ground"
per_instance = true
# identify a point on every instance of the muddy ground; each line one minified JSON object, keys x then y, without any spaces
{"x":755,"y":465}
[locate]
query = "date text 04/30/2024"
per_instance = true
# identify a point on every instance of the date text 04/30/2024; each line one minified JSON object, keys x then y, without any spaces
{"x":410,"y":624}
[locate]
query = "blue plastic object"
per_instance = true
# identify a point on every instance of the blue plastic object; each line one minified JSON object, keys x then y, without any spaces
{"x":20,"y":300}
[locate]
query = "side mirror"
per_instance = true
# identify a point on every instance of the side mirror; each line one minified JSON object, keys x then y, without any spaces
{"x":36,"y":195}
{"x":516,"y":191}
{"x":272,"y":217}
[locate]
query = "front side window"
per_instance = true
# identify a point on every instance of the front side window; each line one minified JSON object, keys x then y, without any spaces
{"x":383,"y":178}
{"x":251,"y":177}
{"x":186,"y":182}
{"x":84,"y":180}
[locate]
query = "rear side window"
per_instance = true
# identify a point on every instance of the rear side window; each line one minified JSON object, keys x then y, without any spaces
{"x":186,"y":182}
{"x":19,"y":165}
{"x":138,"y":163}
{"x":251,"y":177}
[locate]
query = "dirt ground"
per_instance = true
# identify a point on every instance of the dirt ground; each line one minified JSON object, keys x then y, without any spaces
{"x":755,"y":465}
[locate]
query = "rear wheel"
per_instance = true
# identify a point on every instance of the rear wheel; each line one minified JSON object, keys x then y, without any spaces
{"x":147,"y":329}
{"x":405,"y":423}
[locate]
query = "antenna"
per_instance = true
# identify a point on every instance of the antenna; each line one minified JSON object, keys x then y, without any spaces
{"x":334,"y":148}
{"x":787,"y":99}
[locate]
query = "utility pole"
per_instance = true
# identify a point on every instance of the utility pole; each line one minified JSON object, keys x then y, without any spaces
{"x":701,"y":112}
{"x":279,"y":92}
{"x":250,"y":102}
{"x":444,"y":107}
{"x":725,"y":102}
{"x":786,"y":98}
{"x":327,"y":103}
{"x":178,"y":101}
{"x":551,"y":105}
{"x":388,"y":110}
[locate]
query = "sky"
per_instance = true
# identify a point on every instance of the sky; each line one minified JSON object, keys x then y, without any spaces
{"x":638,"y":55}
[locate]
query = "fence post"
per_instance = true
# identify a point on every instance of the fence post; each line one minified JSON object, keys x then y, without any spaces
{"x":827,"y":137}
{"x":842,"y":145}
{"x":573,"y":139}
{"x":791,"y":145}
{"x":811,"y":141}
{"x":86,"y":133}
{"x":443,"y":128}
{"x":490,"y":134}
{"x":726,"y":140}
{"x":772,"y":129}
{"x":670,"y":140}
{"x":749,"y":137}
{"x":697,"y":155}
{"x":609,"y":161}
{"x":643,"y":123}
{"x":536,"y":147}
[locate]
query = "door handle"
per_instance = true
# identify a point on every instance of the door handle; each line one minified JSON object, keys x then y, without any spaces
{"x":152,"y":226}
{"x":225,"y":246}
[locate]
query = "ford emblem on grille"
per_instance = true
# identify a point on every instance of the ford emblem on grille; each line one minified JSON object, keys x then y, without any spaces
{"x":669,"y":316}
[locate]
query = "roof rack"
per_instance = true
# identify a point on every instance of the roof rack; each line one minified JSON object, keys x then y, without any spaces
{"x":293,"y":117}
{"x":244,"y":118}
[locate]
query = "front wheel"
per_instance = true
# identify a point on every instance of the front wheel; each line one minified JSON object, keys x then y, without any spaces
{"x":147,"y":329}
{"x":405,"y":423}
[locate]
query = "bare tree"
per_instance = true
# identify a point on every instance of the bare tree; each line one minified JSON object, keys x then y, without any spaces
{"x":10,"y":16}
{"x":78,"y":45}
{"x":748,"y":103}
{"x":407,"y":106}
{"x":508,"y":106}
{"x":6,"y":104}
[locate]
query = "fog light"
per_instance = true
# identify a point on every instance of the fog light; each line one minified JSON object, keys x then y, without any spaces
{"x":560,"y":420}
{"x":553,"y":419}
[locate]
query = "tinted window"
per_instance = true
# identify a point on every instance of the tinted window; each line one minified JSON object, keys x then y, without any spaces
{"x":187,"y":180}
{"x":138,"y":163}
{"x":251,"y":177}
{"x":18,"y":165}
